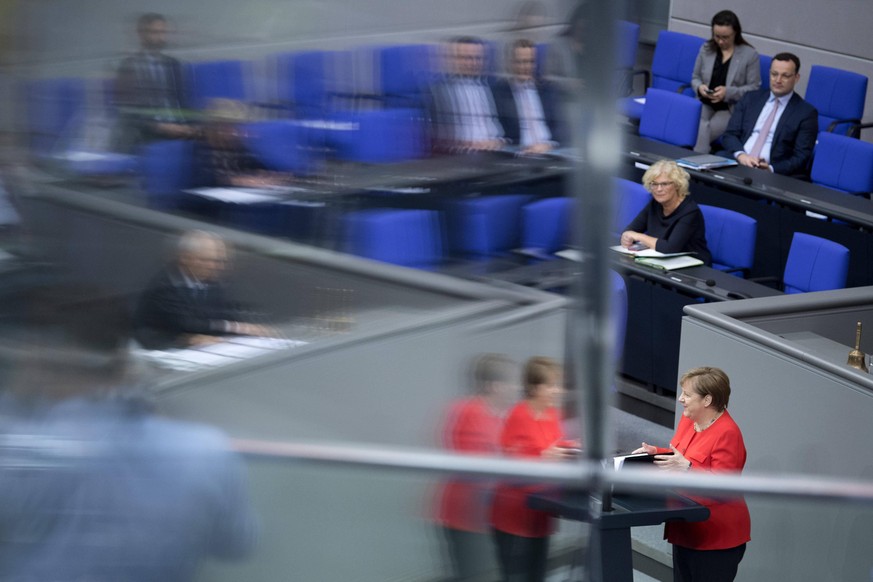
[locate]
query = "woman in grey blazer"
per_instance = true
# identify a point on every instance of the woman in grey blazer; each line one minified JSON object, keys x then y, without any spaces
{"x":727,"y":67}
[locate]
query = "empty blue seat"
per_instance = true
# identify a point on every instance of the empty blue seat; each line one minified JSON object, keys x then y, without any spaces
{"x":670,"y":117}
{"x":815,"y":264}
{"x":546,"y":225}
{"x":843,"y":163}
{"x":382,"y":136}
{"x":216,"y":79}
{"x":672,"y":67}
{"x":284,"y":146}
{"x":52,"y":106}
{"x":765,"y":70}
{"x":838,"y":95}
{"x":409,"y":238}
{"x":403,"y":71}
{"x":630,"y":199}
{"x":167,"y":168}
{"x":731,"y":238}
{"x":485,"y":225}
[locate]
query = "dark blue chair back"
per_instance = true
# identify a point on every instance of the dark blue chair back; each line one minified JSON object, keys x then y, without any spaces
{"x":765,"y":70}
{"x":216,"y":79}
{"x":52,"y":106}
{"x":167,"y":168}
{"x":837,"y":95}
{"x":673,"y":61}
{"x":546,"y":225}
{"x":630,"y":199}
{"x":409,"y":238}
{"x":815,"y":264}
{"x":485,"y":225}
{"x":403,"y":72}
{"x":670,"y":117}
{"x":731,"y":238}
{"x":843,"y":163}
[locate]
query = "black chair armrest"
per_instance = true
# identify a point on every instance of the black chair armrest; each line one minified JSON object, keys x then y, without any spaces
{"x":854,"y":121}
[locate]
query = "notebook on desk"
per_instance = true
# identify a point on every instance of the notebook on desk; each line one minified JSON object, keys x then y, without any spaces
{"x":705,"y":162}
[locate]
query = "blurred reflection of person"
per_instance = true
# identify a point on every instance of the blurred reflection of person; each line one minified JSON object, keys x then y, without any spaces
{"x":532,"y":429}
{"x":225,"y":156}
{"x":150,"y":90}
{"x":95,"y":485}
{"x":473,"y":426}
{"x":187,"y":303}
{"x":463,"y":113}
{"x":527,"y":108}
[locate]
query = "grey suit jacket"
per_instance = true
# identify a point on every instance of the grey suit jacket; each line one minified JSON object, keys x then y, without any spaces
{"x":744,"y":72}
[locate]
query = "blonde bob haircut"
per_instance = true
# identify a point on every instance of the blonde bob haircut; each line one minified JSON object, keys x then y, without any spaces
{"x":667,"y":168}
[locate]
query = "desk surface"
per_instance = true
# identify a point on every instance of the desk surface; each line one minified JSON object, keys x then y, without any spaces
{"x":758,"y":183}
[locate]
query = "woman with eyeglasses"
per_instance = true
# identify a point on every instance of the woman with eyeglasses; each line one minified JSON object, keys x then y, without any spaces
{"x":727,"y":67}
{"x":670,"y":222}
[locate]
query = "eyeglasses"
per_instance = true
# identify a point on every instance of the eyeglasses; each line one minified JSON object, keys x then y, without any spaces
{"x":722,"y":36}
{"x":656,"y":185}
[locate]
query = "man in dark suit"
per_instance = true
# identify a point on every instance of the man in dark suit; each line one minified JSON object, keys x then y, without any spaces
{"x":774,"y":130}
{"x":150,"y":90}
{"x":526,"y":107}
{"x":462,"y":110}
{"x":186,"y":304}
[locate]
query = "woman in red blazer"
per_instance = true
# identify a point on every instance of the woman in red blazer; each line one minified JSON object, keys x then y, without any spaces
{"x":532,"y":429}
{"x":707,"y":439}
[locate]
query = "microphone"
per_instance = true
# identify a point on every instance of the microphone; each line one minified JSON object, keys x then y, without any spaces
{"x":747,"y":181}
{"x":710,"y":282}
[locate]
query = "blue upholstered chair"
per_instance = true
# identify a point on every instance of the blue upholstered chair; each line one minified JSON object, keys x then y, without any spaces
{"x":409,"y":238}
{"x":382,"y":135}
{"x":731,"y":238}
{"x":838,"y":96}
{"x":630,"y":199}
{"x":672,"y":67}
{"x":166,"y":168}
{"x":546,"y":226}
{"x":403,"y":72}
{"x":843,"y":163}
{"x":216,"y":79}
{"x":283,"y":146}
{"x":484,"y":226}
{"x":52,"y":106}
{"x":815,"y":264}
{"x":765,"y":70}
{"x":670,"y":117}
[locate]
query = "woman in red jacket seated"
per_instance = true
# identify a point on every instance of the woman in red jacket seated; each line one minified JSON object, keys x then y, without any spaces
{"x":707,"y":439}
{"x":532,"y":429}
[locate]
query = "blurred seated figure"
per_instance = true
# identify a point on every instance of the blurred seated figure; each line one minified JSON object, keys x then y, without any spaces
{"x":462,"y":109}
{"x":95,"y":485}
{"x":225,"y":157}
{"x":527,"y":108}
{"x":187,"y":303}
{"x":150,"y":90}
{"x":473,"y":426}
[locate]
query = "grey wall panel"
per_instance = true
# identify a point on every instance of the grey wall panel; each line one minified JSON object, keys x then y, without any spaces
{"x":834,"y":34}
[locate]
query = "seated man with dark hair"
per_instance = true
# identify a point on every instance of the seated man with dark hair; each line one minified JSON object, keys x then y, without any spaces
{"x":462,"y":110}
{"x":527,"y":107}
{"x":774,"y":129}
{"x":186,"y":304}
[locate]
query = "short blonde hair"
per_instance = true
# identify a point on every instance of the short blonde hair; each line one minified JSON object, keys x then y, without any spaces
{"x":676,"y":174}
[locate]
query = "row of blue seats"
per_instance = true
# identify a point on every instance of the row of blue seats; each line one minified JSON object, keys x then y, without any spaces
{"x":304,"y":85}
{"x":838,"y":95}
{"x":840,"y":162}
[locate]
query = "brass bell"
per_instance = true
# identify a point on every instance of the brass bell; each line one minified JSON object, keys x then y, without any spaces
{"x":857,"y":358}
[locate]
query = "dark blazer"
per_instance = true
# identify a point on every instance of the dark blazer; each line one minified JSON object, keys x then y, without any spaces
{"x":444,"y":114}
{"x":794,"y":137}
{"x":508,"y":110}
{"x":684,"y":231}
{"x":170,"y":308}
